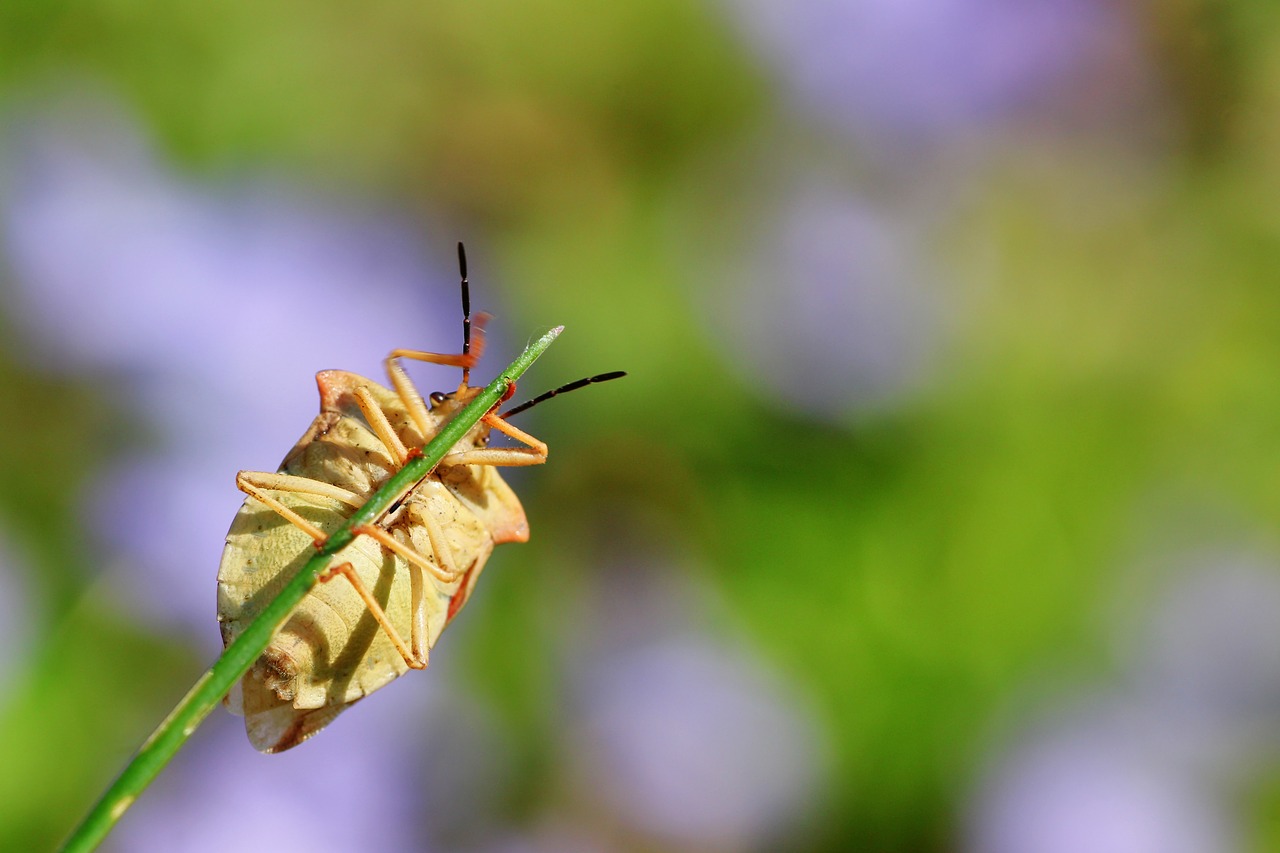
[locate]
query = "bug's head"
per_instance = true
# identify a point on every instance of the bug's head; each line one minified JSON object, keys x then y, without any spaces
{"x":448,"y":403}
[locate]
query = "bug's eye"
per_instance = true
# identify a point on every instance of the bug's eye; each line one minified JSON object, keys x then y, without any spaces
{"x":437,"y":397}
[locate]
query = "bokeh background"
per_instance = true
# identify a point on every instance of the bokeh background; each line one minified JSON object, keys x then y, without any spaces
{"x":940,"y":508}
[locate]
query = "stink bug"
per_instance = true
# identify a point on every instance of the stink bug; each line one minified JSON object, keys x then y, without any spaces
{"x":375,"y":613}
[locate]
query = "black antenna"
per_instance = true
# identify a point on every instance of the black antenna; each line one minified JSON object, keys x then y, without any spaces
{"x":572,"y":386}
{"x":466,"y":311}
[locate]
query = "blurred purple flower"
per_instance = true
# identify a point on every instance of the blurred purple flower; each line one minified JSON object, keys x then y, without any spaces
{"x":1092,"y":783}
{"x":827,"y":307}
{"x":918,"y":68}
{"x":464,"y":761}
{"x":689,"y":741}
{"x":684,"y":739}
{"x":1211,"y":650}
{"x":209,"y":309}
{"x":1150,"y":765}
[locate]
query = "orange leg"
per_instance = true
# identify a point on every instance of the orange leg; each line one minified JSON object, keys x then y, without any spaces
{"x":412,"y":400}
{"x":445,"y":572}
{"x":417,"y":658}
{"x":534,"y":454}
{"x":381,"y":426}
{"x":257,"y":483}
{"x":448,"y":359}
{"x":465,"y":360}
{"x":417,"y":595}
{"x":405,"y":388}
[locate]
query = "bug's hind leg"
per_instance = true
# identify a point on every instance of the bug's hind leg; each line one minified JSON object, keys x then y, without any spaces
{"x":415,"y":658}
{"x":444,"y":570}
{"x":534,"y":453}
{"x":473,"y":348}
{"x":408,"y":392}
{"x":258,"y":484}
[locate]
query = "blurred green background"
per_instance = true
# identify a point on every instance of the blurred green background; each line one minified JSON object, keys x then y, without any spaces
{"x":937,"y":512}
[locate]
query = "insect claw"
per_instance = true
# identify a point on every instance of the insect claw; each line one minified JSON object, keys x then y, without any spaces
{"x":333,"y":571}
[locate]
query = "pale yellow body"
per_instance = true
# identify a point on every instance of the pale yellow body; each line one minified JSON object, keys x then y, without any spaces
{"x":332,"y":652}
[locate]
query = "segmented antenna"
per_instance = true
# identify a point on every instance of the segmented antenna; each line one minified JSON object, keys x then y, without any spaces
{"x":466,"y":311}
{"x":572,"y":386}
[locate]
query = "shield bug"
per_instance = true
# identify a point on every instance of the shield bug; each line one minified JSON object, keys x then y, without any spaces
{"x":375,"y":613}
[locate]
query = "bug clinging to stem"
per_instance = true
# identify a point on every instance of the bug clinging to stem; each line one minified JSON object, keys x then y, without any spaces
{"x":408,"y":573}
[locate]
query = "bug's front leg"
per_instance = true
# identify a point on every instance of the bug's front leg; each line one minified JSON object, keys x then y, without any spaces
{"x":408,"y":392}
{"x":473,"y":348}
{"x":534,"y":453}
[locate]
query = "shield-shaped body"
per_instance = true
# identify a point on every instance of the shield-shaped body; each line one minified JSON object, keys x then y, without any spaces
{"x":331,"y":652}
